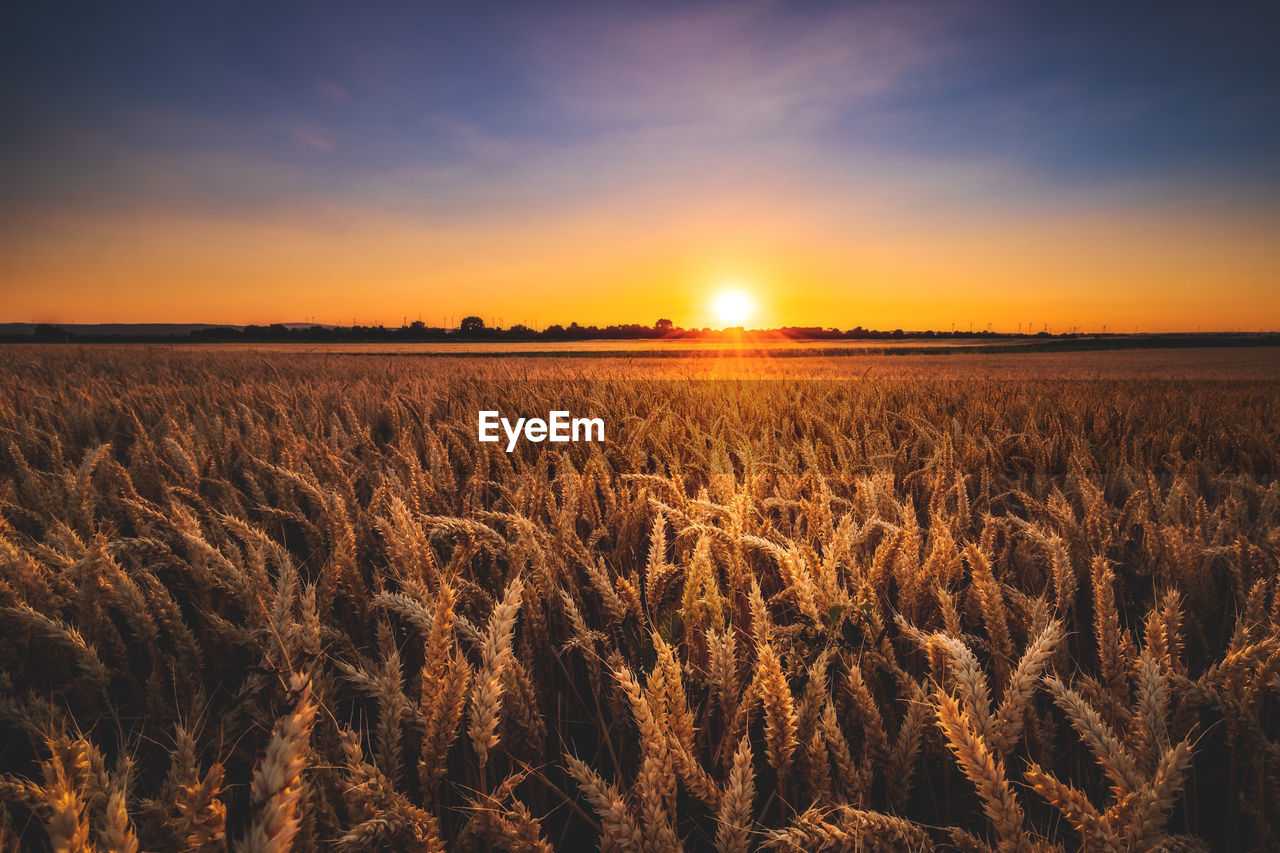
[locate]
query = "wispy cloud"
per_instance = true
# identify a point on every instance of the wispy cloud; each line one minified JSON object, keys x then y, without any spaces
{"x":312,"y":139}
{"x":730,"y":66}
{"x":331,"y":92}
{"x":465,"y":140}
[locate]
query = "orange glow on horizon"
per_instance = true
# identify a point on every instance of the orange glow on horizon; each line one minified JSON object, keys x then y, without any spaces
{"x":1127,"y":270}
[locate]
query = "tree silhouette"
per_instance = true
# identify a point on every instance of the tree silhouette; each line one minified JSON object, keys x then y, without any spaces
{"x":471,"y":325}
{"x":50,"y":332}
{"x":663,"y":326}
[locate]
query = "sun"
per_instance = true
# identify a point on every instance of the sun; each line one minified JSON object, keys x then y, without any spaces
{"x":733,"y":307}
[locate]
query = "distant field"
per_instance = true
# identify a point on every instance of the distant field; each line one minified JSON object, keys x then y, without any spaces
{"x":1257,"y":363}
{"x":1254,"y":362}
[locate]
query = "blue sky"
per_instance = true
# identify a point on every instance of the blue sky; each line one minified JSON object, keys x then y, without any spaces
{"x":440,"y":115}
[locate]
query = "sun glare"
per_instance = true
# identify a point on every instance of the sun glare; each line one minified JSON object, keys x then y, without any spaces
{"x":733,"y":307}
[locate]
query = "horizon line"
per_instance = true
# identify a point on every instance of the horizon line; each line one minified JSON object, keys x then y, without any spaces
{"x":419,"y":327}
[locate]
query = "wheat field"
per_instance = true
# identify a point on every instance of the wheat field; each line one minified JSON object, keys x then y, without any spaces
{"x":256,"y":602}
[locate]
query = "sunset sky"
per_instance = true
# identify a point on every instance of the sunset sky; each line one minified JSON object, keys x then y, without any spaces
{"x":906,"y":164}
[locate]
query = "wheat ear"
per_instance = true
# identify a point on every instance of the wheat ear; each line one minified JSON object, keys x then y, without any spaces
{"x":985,"y":772}
{"x":486,"y":695}
{"x":277,"y":782}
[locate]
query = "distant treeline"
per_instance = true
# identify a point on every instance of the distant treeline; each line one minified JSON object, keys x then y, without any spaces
{"x":474,"y":329}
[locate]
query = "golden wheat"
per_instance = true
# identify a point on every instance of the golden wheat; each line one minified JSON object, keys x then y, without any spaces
{"x":281,"y":602}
